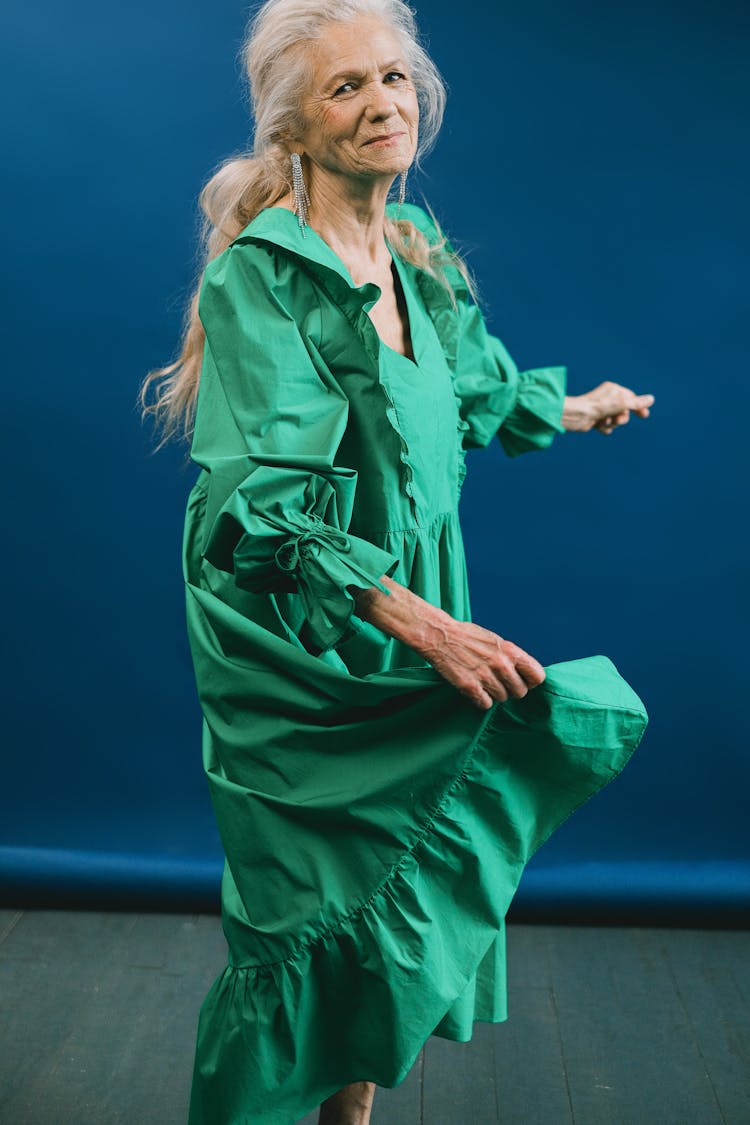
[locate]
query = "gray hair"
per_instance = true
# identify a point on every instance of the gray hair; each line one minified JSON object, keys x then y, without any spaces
{"x":277,"y":70}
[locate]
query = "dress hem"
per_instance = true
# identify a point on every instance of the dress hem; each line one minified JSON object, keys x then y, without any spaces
{"x":374,"y":986}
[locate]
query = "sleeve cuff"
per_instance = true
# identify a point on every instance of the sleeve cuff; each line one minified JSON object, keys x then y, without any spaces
{"x":537,"y":412}
{"x":281,"y":530}
{"x":323,"y":563}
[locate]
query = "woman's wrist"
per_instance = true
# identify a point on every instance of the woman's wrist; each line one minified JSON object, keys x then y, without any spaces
{"x":577,"y":413}
{"x":402,"y":614}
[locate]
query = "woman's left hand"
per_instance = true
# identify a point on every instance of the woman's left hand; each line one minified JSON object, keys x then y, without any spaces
{"x":604,"y":408}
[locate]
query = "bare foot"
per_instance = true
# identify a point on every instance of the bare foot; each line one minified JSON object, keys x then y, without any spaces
{"x":349,"y":1106}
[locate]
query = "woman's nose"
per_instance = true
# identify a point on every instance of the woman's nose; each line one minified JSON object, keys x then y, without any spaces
{"x":380,"y":103}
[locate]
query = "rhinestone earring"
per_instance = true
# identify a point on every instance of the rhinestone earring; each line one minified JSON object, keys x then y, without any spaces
{"x":402,"y":188}
{"x":301,"y":198}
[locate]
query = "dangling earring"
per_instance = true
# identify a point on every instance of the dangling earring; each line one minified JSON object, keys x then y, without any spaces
{"x":301,"y":198}
{"x":402,"y":188}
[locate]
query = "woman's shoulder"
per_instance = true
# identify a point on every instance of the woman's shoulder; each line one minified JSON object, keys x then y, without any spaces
{"x":419,"y":216}
{"x":252,"y":256}
{"x":444,"y":260}
{"x":256,"y":266}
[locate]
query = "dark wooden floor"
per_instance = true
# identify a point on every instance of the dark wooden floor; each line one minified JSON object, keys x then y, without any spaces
{"x":607,"y":1027}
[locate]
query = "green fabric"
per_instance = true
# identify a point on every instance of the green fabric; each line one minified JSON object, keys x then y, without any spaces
{"x":375,"y":822}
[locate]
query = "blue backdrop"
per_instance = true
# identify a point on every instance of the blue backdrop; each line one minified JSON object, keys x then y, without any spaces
{"x":592,"y":167}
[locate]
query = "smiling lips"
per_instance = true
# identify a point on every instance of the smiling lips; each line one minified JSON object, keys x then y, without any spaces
{"x":384,"y":137}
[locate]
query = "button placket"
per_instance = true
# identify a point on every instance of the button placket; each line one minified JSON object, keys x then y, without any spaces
{"x":373,"y":345}
{"x":438,"y":304}
{"x":355,"y":303}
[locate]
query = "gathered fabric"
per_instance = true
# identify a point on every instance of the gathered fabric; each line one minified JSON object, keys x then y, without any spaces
{"x":375,"y":822}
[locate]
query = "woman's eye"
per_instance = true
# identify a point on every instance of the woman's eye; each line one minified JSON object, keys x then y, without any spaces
{"x":390,"y":77}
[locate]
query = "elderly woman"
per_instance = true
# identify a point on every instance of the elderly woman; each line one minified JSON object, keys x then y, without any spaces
{"x":381,"y":767}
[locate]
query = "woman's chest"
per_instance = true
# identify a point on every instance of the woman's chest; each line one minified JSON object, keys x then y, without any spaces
{"x":402,"y":433}
{"x":392,"y":313}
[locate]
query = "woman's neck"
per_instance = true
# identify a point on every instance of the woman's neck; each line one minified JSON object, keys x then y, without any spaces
{"x":350,"y":220}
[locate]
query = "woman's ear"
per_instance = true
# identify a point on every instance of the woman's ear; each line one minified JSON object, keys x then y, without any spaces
{"x":287,"y":141}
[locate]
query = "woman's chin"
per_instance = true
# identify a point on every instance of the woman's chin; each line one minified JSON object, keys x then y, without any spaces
{"x":392,"y":164}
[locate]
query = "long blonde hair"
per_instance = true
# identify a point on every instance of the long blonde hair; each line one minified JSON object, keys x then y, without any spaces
{"x":276,"y":73}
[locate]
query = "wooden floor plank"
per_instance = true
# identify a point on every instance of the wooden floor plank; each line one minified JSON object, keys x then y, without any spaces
{"x":530,"y":1081}
{"x":459,"y":1080}
{"x":629,"y":1050}
{"x":712,"y":978}
{"x":530,"y":1077}
{"x":48,"y":969}
{"x":106,"y":1009}
{"x":9,"y":919}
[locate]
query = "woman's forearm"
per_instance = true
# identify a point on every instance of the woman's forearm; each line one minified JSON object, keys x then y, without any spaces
{"x":401,"y":614}
{"x":480,"y":664}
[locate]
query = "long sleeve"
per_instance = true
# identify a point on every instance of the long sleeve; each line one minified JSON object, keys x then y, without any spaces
{"x":268,"y":426}
{"x":522,"y":408}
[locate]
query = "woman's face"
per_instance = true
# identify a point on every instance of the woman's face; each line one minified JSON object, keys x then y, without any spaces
{"x":361,"y":113}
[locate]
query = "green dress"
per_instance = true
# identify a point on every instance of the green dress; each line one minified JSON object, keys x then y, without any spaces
{"x":375,"y":822}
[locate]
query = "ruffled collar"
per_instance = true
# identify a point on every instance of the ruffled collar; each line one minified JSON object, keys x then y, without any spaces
{"x":280,"y":226}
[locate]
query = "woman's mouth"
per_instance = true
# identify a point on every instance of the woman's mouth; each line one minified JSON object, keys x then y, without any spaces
{"x":387,"y":138}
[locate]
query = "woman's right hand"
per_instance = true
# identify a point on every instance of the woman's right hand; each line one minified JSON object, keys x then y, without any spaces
{"x":483,"y":666}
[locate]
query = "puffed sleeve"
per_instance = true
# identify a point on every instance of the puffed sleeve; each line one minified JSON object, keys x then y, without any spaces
{"x":522,"y":408}
{"x":268,"y":425}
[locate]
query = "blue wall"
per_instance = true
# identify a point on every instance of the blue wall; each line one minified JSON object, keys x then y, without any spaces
{"x":592,"y":167}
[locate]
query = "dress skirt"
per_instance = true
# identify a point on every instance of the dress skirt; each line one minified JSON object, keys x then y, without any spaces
{"x":376,"y":828}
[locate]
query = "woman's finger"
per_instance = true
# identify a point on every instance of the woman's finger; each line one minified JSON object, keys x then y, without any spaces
{"x":613,"y":398}
{"x":527,"y":667}
{"x":511,"y":681}
{"x":479,"y":697}
{"x":494,"y":688}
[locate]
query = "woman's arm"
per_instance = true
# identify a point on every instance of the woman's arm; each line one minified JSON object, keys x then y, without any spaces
{"x":269,"y":423}
{"x":482,"y":665}
{"x":523,"y":409}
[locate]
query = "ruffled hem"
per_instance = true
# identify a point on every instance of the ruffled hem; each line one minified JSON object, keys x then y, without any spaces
{"x":358,"y":999}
